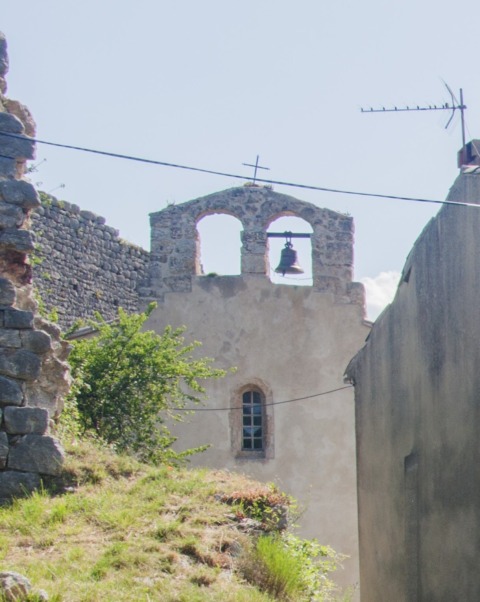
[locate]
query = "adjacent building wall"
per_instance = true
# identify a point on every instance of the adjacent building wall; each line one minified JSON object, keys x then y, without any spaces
{"x":417,"y":383}
{"x":288,"y":342}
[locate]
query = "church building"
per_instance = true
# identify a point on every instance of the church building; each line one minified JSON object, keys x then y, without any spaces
{"x":285,"y":414}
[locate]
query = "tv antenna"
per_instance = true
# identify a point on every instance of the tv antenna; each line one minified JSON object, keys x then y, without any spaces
{"x":455,"y":105}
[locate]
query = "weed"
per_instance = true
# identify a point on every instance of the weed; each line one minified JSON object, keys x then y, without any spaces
{"x":273,"y":569}
{"x":166,"y":531}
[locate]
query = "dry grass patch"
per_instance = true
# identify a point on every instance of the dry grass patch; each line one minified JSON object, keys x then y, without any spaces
{"x":112,"y":529}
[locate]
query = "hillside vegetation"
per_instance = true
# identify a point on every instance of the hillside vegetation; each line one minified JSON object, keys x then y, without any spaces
{"x":113,"y":529}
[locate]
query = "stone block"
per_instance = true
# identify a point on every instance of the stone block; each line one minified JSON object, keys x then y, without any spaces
{"x":10,"y":392}
{"x":7,"y":292}
{"x":8,"y":166}
{"x":21,"y":364}
{"x":20,"y":240}
{"x":46,"y":398}
{"x":254,"y":264}
{"x":17,"y":484}
{"x":19,"y":192}
{"x":38,"y":454}
{"x":10,"y":338}
{"x":24,"y":421}
{"x":14,"y":107}
{"x":14,"y":587}
{"x":17,"y":318}
{"x":36,"y":341}
{"x":4,"y":449}
{"x":11,"y":124}
{"x":88,"y":215}
{"x":11,"y":216}
{"x":18,"y":148}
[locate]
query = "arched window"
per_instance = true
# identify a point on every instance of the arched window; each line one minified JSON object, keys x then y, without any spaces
{"x":253,"y":421}
{"x":302,"y":246}
{"x":219,"y":245}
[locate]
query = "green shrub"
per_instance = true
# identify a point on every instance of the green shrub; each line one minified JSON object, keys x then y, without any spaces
{"x":291,"y":569}
{"x":127,"y":382}
{"x":273,"y":569}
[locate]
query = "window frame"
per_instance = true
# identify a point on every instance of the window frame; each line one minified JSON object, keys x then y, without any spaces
{"x":237,"y":414}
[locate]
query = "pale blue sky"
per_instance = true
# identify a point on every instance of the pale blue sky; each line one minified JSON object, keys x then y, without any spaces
{"x":214,"y":83}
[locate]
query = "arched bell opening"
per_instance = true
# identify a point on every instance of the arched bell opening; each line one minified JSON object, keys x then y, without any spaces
{"x":218,"y":245}
{"x":289,"y":256}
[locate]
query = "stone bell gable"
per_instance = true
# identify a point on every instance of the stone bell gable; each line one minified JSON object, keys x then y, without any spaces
{"x":175,"y":243}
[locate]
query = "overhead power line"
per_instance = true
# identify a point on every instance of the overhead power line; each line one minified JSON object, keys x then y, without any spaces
{"x":273,"y":403}
{"x":236,"y":176}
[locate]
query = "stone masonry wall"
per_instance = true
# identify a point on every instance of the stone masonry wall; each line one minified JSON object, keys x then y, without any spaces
{"x":174,"y":241}
{"x":33,"y":374}
{"x":81,"y":266}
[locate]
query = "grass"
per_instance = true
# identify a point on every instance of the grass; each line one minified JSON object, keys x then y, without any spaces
{"x":125,"y":531}
{"x":113,"y":529}
{"x":272,"y":567}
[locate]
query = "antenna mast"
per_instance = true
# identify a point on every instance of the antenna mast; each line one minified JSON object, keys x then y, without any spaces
{"x":453,"y":106}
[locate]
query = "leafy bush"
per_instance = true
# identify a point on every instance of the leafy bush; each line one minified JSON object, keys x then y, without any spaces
{"x":127,"y":382}
{"x":264,"y":504}
{"x":289,"y":568}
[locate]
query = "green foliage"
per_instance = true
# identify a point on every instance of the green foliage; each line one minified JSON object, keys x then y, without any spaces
{"x":45,"y":198}
{"x":264,"y":504}
{"x":129,"y":382}
{"x":289,"y":568}
{"x":274,"y":570}
{"x":51,"y":315}
{"x":317,"y":562}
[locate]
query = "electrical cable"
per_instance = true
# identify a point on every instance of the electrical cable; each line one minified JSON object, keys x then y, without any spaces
{"x":237,"y":176}
{"x":273,"y":403}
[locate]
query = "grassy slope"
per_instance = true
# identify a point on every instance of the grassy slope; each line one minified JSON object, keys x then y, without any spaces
{"x":125,"y":531}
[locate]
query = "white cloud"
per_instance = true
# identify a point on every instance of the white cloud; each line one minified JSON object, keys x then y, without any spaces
{"x":380,"y":291}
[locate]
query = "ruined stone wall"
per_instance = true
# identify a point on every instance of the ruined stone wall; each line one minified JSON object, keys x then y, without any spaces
{"x":81,"y":266}
{"x":33,"y":375}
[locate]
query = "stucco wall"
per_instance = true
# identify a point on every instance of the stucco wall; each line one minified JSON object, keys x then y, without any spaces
{"x":292,"y":342}
{"x":417,"y":383}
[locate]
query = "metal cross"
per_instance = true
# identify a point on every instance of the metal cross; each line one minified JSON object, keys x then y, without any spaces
{"x":256,"y":166}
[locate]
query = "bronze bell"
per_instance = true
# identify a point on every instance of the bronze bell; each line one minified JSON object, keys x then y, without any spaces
{"x":288,"y":261}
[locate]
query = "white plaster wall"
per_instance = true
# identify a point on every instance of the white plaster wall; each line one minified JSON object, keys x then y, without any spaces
{"x":297,"y":341}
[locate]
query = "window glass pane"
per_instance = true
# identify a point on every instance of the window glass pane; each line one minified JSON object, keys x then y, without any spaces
{"x":252,"y":421}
